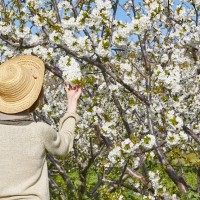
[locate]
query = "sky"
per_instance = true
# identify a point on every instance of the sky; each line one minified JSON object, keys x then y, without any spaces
{"x":120,"y":15}
{"x":124,"y":18}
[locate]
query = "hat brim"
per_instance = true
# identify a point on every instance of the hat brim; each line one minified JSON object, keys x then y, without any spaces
{"x":37,"y":68}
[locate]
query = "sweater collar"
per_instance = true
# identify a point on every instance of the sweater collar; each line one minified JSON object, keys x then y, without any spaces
{"x":25,"y":115}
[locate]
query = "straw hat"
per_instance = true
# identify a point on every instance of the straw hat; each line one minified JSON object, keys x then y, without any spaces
{"x":21,"y":80}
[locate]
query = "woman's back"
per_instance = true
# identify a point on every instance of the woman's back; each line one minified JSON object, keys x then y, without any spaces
{"x":23,"y":167}
{"x":23,"y":143}
{"x":23,"y":146}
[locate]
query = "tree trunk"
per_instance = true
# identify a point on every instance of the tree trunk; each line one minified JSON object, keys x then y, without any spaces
{"x":82,"y":184}
{"x":198,"y":180}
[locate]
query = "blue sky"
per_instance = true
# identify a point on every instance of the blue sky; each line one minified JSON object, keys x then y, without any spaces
{"x":120,"y":13}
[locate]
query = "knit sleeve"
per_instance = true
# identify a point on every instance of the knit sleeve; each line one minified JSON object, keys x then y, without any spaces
{"x":60,"y":143}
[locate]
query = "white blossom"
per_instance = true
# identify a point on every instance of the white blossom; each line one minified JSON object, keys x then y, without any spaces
{"x":34,"y":39}
{"x":126,"y":67}
{"x":114,"y":154}
{"x":149,"y":141}
{"x":71,"y":69}
{"x":35,"y":3}
{"x":172,"y":138}
{"x":127,"y":146}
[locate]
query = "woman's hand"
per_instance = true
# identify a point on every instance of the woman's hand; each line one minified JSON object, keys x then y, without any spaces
{"x":73,"y":94}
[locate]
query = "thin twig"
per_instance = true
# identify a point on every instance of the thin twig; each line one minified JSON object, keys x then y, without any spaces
{"x":57,"y":11}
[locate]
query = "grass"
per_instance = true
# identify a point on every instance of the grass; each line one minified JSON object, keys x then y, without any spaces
{"x":103,"y":194}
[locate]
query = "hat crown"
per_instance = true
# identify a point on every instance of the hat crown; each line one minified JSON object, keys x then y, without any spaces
{"x":8,"y":77}
{"x":7,"y":72}
{"x":13,"y":79}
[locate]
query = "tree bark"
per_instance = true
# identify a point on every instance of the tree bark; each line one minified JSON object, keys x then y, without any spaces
{"x":198,"y":180}
{"x":178,"y":180}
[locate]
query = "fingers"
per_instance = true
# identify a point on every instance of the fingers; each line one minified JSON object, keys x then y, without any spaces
{"x":67,"y":87}
{"x":70,"y":87}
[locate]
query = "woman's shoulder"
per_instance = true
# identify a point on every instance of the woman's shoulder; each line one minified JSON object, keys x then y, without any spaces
{"x":43,"y":126}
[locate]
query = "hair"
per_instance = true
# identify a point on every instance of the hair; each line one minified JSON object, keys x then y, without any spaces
{"x":38,"y":102}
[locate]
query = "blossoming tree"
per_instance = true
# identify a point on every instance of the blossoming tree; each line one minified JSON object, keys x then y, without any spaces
{"x":138,"y":62}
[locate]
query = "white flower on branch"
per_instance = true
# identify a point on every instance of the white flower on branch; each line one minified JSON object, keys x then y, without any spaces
{"x":172,"y":138}
{"x":54,"y":36}
{"x":126,"y":67}
{"x":71,"y":69}
{"x":5,"y":28}
{"x":34,"y":39}
{"x":155,"y":180}
{"x":113,"y":87}
{"x":36,"y":21}
{"x":64,"y":4}
{"x":183,"y":135}
{"x":114,"y":154}
{"x":127,"y":146}
{"x":103,"y":4}
{"x":148,"y":141}
{"x":136,"y":162}
{"x":34,"y":3}
{"x":103,"y":49}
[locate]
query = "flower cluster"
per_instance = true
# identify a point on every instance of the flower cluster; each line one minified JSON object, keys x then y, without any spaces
{"x":71,"y":69}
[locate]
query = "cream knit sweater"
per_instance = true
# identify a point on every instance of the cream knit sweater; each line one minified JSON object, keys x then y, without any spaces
{"x":23,"y":165}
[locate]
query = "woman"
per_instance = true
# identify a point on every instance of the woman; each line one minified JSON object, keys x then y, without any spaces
{"x":23,"y":142}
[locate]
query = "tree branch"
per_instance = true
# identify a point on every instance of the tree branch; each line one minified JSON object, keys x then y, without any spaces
{"x":100,"y":181}
{"x":56,"y":71}
{"x":192,"y":134}
{"x":196,"y":12}
{"x":139,"y":176}
{"x":19,"y":45}
{"x":61,"y":171}
{"x":53,"y":183}
{"x":178,"y":180}
{"x":119,"y":107}
{"x":4,"y":8}
{"x":57,"y":11}
{"x":105,"y":69}
{"x":106,"y":140}
{"x":198,"y":180}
